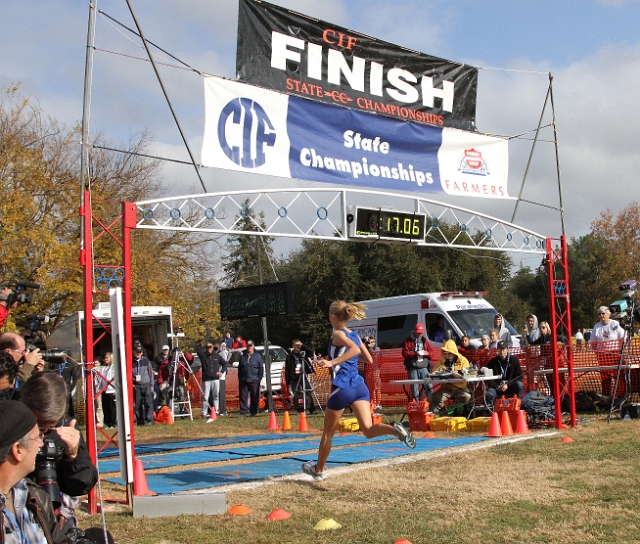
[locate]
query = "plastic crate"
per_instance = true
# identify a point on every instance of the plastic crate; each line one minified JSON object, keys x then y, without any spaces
{"x":420,"y":422}
{"x":511,"y":404}
{"x":479,"y":424}
{"x":448,"y":424}
{"x":348,"y":424}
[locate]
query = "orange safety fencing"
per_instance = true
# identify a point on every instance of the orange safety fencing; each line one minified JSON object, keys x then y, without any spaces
{"x":388,"y":365}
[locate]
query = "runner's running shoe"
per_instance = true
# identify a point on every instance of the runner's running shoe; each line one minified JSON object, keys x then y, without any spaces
{"x":310,"y":469}
{"x":404,"y":435}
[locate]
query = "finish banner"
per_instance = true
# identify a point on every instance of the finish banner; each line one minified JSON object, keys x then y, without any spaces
{"x":251,"y":129}
{"x":292,"y":53}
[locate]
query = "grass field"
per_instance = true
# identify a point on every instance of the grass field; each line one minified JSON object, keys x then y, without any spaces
{"x":539,"y":491}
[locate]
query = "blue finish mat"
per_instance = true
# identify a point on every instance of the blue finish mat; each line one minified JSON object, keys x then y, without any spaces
{"x":201,"y":443}
{"x":211,"y":477}
{"x":173,"y":459}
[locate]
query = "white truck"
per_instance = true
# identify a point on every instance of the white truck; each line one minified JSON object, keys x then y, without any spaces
{"x":150,"y":325}
{"x":391,"y":320}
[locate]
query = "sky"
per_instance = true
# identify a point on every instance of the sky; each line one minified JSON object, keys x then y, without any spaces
{"x":591,"y":48}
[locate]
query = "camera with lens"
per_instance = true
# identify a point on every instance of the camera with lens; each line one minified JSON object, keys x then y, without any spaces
{"x":46,"y":476}
{"x":626,"y":309}
{"x":303,"y":354}
{"x":20,"y":292}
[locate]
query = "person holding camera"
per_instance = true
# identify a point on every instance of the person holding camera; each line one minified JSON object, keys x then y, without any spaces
{"x":5,"y":305}
{"x":417,"y":360}
{"x":296,"y":369}
{"x":63,"y":462}
{"x":26,"y":359}
{"x":26,"y":512}
{"x":506,"y":368}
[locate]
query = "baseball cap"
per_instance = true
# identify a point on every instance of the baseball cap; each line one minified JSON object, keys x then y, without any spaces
{"x":419,"y":328}
{"x":165,"y":347}
{"x":16,"y":420}
{"x":502,"y":345}
{"x":137,"y":343}
{"x":250,"y":343}
{"x":138,"y":349}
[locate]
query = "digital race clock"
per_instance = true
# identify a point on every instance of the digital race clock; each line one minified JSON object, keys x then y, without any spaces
{"x":387,"y":224}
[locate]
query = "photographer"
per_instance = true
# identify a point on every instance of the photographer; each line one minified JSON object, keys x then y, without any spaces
{"x":27,"y":360}
{"x":64,"y":459}
{"x":5,"y":305}
{"x":296,"y":376}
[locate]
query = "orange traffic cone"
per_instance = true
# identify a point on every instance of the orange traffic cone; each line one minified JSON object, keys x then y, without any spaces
{"x":522,"y":427}
{"x":140,"y":480}
{"x":286,"y":422}
{"x":304,"y":426}
{"x":494,"y":430}
{"x":212,"y":415}
{"x":273,"y":422}
{"x":505,"y":425}
{"x":170,"y":420}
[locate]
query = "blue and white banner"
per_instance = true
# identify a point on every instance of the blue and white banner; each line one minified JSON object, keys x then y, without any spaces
{"x":251,"y":129}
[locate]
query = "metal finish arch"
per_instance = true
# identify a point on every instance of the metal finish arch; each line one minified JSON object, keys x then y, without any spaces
{"x":322,"y":214}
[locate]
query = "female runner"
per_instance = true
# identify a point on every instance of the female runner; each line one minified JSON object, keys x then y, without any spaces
{"x":348,"y":387}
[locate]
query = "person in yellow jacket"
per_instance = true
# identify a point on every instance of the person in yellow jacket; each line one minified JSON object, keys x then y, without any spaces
{"x":451,"y":361}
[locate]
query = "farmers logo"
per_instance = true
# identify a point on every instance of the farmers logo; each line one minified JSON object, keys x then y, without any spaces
{"x":244,"y":132}
{"x":473,"y":163}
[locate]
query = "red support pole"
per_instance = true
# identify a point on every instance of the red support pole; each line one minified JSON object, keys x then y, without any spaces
{"x":86,"y":260}
{"x":128,"y":223}
{"x":560,"y":316}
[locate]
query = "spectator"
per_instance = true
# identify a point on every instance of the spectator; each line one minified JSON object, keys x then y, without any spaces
{"x":225,"y":354}
{"x":4,"y":306}
{"x":579,"y":338}
{"x":227,"y":341}
{"x":544,"y":335}
{"x":417,"y":361}
{"x":250,"y":372}
{"x":296,"y":369}
{"x":213,"y":366}
{"x":32,"y":517}
{"x":142,"y":388}
{"x":503,"y":332}
{"x":486,"y":342}
{"x":494,"y":338}
{"x":376,"y":390}
{"x":238,"y":343}
{"x":8,"y":375}
{"x":606,"y":341}
{"x":180,"y":365}
{"x":26,"y":360}
{"x":451,"y":361}
{"x":162,"y":379}
{"x":162,"y":360}
{"x":108,"y":391}
{"x":70,"y":372}
{"x":532,"y":332}
{"x":465,"y":345}
{"x":506,"y":368}
{"x":137,"y":344}
{"x":98,"y":368}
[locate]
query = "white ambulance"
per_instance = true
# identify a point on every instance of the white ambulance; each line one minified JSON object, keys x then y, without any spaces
{"x":444,"y":315}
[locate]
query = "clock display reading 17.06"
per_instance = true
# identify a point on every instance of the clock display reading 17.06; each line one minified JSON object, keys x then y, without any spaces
{"x":388,"y":224}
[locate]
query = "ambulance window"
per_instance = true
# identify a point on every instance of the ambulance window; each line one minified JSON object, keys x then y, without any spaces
{"x":435,"y":324}
{"x":394,"y":330}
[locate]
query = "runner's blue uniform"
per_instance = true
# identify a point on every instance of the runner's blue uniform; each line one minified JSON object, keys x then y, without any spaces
{"x":347,"y":385}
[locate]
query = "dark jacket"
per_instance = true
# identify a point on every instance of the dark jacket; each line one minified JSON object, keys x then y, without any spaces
{"x":70,"y":372}
{"x":143,"y":368}
{"x":78,"y":476}
{"x":513,"y":370}
{"x":292,"y":371}
{"x":10,"y":393}
{"x":250,"y":367}
{"x":410,"y":355}
{"x":39,"y":503}
{"x":212,"y":363}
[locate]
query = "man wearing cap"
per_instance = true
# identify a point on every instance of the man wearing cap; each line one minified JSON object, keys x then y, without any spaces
{"x":143,"y":387}
{"x":26,"y":511}
{"x":250,"y":372}
{"x":506,"y":368}
{"x":212,"y":368}
{"x":417,"y":361}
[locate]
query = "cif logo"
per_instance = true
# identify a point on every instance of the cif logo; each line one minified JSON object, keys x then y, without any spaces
{"x":244,"y":132}
{"x":472,"y":162}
